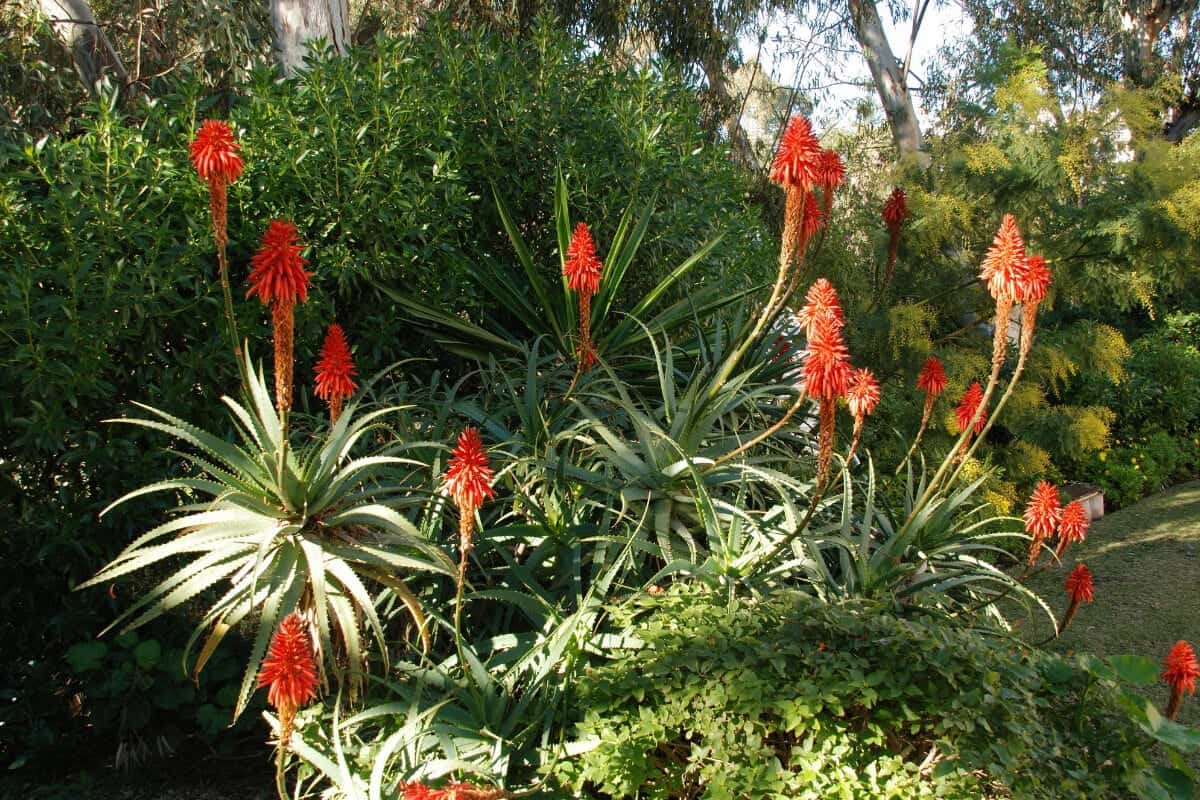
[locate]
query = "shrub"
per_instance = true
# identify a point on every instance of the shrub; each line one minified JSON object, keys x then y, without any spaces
{"x":790,"y":698}
{"x":1163,"y":387}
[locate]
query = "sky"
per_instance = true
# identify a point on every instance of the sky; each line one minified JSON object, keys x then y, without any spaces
{"x":844,"y":75}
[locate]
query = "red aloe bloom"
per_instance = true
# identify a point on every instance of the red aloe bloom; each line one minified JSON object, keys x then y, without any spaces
{"x":335,"y":370}
{"x":967,"y":407}
{"x":827,"y":368}
{"x":290,"y":673}
{"x":1079,"y":585}
{"x":214,"y":152}
{"x":862,"y":396}
{"x":582,"y":268}
{"x":455,"y":790}
{"x":895,"y":210}
{"x":1004,"y":266}
{"x":1037,"y":280}
{"x":798,"y":160}
{"x":468,"y":476}
{"x":1079,"y":590}
{"x":1072,"y":525}
{"x":1043,"y":513}
{"x":932,"y":378}
{"x":813,"y":219}
{"x":1180,"y":672}
{"x":831,"y":172}
{"x":415,"y":791}
{"x":821,"y":307}
{"x":277,"y":274}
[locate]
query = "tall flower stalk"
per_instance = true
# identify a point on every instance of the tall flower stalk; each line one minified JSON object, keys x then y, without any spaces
{"x":278,"y":278}
{"x":827,"y":374}
{"x":971,"y":414}
{"x":290,"y":674}
{"x":1180,"y":672}
{"x":469,"y":482}
{"x":214,"y":154}
{"x":583,"y":269}
{"x":335,"y":371}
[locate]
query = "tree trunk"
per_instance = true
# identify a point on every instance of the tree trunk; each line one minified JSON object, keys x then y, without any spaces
{"x":298,"y":21}
{"x":726,"y":108}
{"x":1143,"y":26}
{"x":75,"y":26}
{"x":886,"y":72}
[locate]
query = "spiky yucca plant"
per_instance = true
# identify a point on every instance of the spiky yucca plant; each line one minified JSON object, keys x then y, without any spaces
{"x":274,"y":528}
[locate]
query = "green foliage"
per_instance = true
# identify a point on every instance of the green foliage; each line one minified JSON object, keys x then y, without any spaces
{"x":788,"y":697}
{"x":1163,"y":388}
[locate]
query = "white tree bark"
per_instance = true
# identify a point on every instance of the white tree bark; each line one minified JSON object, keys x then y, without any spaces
{"x":298,"y":21}
{"x":888,"y":75}
{"x":75,"y":26}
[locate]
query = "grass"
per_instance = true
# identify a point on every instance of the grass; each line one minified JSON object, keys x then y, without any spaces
{"x":1145,"y":560}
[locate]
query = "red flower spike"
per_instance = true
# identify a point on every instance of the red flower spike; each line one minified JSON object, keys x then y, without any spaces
{"x":863,"y":395}
{"x":827,"y":368}
{"x":416,"y":791}
{"x":831,"y":172}
{"x":1073,"y":523}
{"x":277,"y":274}
{"x":967,"y":407}
{"x":1180,"y":673}
{"x":1181,"y":668}
{"x":1042,"y":514}
{"x":335,"y":370}
{"x":895,"y":210}
{"x":582,"y":268}
{"x":468,"y":476}
{"x":932,"y":378}
{"x":813,"y":219}
{"x":821,"y":307}
{"x":1037,"y":280}
{"x":1004,"y":266}
{"x":797,"y":162}
{"x":289,"y":669}
{"x":214,"y":152}
{"x":1079,"y":585}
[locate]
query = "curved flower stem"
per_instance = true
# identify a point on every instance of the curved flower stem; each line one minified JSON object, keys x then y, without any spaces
{"x":280,"y":771}
{"x":925,"y":417}
{"x":230,"y":319}
{"x":855,"y":439}
{"x":788,"y":252}
{"x":771,"y":431}
{"x":466,"y":529}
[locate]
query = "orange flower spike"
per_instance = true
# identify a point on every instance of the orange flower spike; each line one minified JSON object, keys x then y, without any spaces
{"x":335,"y":371}
{"x":1072,"y":526}
{"x":583,"y":269}
{"x":968,"y":406}
{"x":1180,"y":672}
{"x":1004,"y":267}
{"x":831,"y":172}
{"x":214,"y":152}
{"x":812,"y":220}
{"x":863,"y":394}
{"x":1079,"y":590}
{"x":798,"y":160}
{"x":1042,"y":515}
{"x":827,"y":369}
{"x":278,"y":278}
{"x":932,"y":378}
{"x":821,"y":306}
{"x":469,"y":482}
{"x":290,"y":673}
{"x":277,"y":270}
{"x":1036,"y":280}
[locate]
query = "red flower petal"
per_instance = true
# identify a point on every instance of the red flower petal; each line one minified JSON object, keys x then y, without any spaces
{"x":895,"y":210}
{"x":1079,"y":585}
{"x":1181,"y":668}
{"x":967,"y":406}
{"x":821,"y":306}
{"x":1036,"y":281}
{"x":1073,"y":524}
{"x":1004,"y":266}
{"x":831,"y":172}
{"x":827,"y":368}
{"x":1042,"y":514}
{"x":863,"y":395}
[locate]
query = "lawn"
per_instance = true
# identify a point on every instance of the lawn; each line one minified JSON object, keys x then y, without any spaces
{"x":1145,"y":560}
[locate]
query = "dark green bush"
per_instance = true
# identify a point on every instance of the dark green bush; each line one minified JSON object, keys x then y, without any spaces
{"x":385,"y":160}
{"x":792,"y":698}
{"x":1162,"y":389}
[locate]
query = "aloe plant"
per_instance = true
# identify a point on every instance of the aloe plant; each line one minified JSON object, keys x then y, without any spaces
{"x":270,"y":528}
